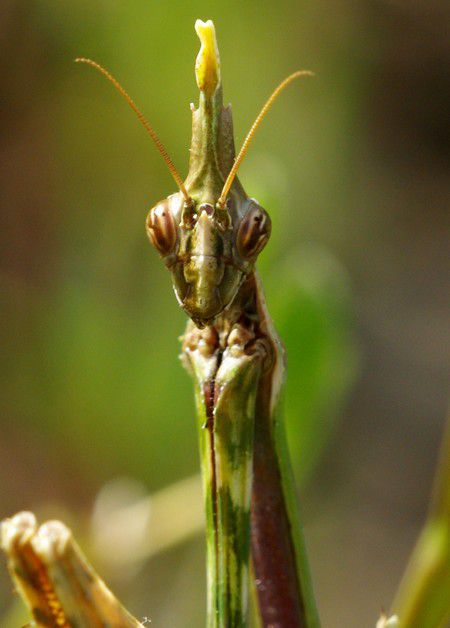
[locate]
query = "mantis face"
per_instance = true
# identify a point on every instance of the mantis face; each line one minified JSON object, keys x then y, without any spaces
{"x":208,"y":249}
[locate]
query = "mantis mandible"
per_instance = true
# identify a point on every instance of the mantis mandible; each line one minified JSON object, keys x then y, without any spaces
{"x":209,"y":235}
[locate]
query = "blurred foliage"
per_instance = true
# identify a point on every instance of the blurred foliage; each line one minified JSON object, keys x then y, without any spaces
{"x":311,"y":306}
{"x":92,"y":388}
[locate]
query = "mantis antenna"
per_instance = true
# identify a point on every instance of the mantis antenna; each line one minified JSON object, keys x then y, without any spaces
{"x":144,"y":122}
{"x":237,"y":162}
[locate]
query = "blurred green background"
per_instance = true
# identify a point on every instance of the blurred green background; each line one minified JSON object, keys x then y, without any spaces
{"x":353,"y":168}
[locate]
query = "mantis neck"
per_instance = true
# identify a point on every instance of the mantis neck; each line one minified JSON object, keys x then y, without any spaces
{"x":238,"y":367}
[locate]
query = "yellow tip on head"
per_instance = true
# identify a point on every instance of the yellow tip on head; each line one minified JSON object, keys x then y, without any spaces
{"x":207,"y":64}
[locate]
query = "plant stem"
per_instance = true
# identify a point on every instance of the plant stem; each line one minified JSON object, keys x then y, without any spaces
{"x":423,"y":598}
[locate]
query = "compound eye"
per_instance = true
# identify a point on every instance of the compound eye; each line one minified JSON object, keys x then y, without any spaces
{"x":161,"y":228}
{"x":253,"y":232}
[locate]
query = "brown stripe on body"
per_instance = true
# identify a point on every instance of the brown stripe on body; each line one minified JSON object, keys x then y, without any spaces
{"x":208,"y":392}
{"x":273,"y":554}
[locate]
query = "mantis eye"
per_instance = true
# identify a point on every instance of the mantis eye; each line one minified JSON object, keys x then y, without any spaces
{"x":161,"y":228}
{"x":253,"y":232}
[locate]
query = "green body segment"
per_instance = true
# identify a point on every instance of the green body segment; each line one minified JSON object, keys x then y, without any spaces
{"x":233,"y":426}
{"x":226,"y":388}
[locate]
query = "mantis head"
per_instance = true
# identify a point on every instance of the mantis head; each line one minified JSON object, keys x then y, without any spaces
{"x":209,"y":239}
{"x":210,"y":233}
{"x":208,"y":249}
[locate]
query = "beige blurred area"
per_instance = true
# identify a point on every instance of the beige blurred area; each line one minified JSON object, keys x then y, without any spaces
{"x":353,"y":167}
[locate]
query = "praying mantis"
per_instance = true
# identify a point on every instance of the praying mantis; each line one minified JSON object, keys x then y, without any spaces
{"x":209,"y":235}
